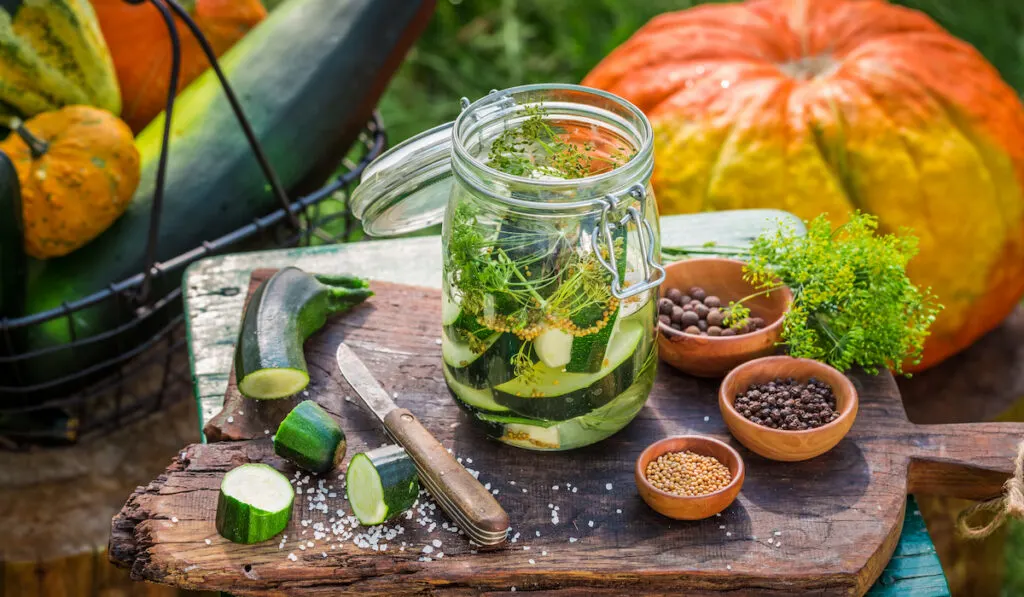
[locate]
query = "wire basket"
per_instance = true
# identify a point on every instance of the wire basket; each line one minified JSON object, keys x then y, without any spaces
{"x":148,"y":366}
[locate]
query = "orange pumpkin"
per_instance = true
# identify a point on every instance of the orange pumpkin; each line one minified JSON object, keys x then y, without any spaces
{"x":78,"y":168}
{"x":141,"y":48}
{"x":835,"y":105}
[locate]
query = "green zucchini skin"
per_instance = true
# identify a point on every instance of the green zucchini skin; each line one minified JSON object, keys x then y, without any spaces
{"x":305,"y":118}
{"x":282,"y":313}
{"x":310,"y":438}
{"x":398,"y":478}
{"x":241,"y":523}
{"x":13,"y":262}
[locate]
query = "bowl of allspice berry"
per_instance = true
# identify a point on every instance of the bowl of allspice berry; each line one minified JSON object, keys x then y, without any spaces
{"x":711,"y":319}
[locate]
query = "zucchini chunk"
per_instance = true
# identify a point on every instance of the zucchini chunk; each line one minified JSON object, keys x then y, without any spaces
{"x":310,"y":438}
{"x":381,"y":484}
{"x":255,"y":503}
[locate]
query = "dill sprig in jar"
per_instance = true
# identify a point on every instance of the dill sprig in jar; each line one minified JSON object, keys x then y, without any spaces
{"x":551,"y":257}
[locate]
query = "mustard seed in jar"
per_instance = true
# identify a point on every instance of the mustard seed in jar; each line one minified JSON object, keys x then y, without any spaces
{"x":687,"y":473}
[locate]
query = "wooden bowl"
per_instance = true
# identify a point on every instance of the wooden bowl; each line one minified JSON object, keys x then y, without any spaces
{"x":778,"y":444}
{"x":682,"y":507}
{"x":714,"y":356}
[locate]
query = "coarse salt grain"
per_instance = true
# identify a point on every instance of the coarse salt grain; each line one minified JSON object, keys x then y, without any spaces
{"x":618,"y":510}
{"x":208,"y":542}
{"x":292,"y":557}
{"x":436,"y":543}
{"x":174,"y":520}
{"x":728,"y":534}
{"x":266,"y":432}
{"x":590,"y":523}
{"x":231,"y":419}
{"x":706,"y":419}
{"x":532,"y":561}
{"x":437,"y":341}
{"x":777,"y":533}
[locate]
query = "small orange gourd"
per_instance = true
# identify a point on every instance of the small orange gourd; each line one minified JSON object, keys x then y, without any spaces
{"x":78,"y":168}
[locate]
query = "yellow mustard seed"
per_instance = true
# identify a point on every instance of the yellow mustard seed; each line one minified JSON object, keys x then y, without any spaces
{"x":687,"y":473}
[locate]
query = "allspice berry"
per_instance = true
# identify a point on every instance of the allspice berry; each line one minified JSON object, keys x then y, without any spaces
{"x":698,"y":293}
{"x":664,"y":319}
{"x":715,"y":317}
{"x":714,"y":330}
{"x":674,"y":294}
{"x":728,"y":332}
{"x":665,"y":306}
{"x":689,"y":318}
{"x":677,"y":315}
{"x":702,"y":310}
{"x":693,"y":330}
{"x":713,"y":301}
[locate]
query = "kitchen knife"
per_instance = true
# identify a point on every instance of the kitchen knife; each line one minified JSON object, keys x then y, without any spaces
{"x":458,"y":493}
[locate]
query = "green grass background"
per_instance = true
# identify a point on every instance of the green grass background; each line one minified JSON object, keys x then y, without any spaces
{"x":473,"y":46}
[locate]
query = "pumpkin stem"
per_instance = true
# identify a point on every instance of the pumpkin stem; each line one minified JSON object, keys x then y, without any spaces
{"x":37,"y":146}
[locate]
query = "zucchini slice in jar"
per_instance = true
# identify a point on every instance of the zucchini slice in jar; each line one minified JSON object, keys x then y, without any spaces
{"x":574,"y":433}
{"x":477,"y":398}
{"x":381,"y":484}
{"x":310,"y":438}
{"x":556,"y":395}
{"x":255,"y":503}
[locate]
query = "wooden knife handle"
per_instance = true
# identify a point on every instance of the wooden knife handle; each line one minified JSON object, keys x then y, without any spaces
{"x":432,"y":459}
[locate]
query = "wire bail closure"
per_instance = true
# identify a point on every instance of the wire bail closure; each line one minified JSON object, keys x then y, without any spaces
{"x":645,"y":234}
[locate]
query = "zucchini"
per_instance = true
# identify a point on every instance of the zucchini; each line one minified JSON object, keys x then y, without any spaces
{"x":580,"y":431}
{"x":477,"y":399}
{"x":381,"y":484}
{"x":284,"y":311}
{"x":13,"y":263}
{"x":255,"y":503}
{"x":554,"y":347}
{"x":310,"y":438}
{"x":481,"y":369}
{"x":556,"y":395}
{"x":306,"y":119}
{"x":587,"y":354}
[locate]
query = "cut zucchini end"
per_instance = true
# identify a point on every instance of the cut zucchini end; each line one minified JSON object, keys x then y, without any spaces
{"x":259,"y":485}
{"x":270,"y":384}
{"x":254,"y":503}
{"x":365,"y":491}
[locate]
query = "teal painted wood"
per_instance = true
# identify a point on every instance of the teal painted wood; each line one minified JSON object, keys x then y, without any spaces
{"x":215,"y":291}
{"x":914,"y":569}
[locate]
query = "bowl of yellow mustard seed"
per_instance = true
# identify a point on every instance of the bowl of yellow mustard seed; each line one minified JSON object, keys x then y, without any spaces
{"x":689,"y":477}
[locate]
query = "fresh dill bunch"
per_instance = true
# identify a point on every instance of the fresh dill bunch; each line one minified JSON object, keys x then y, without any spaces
{"x":853,"y":304}
{"x":515,"y":150}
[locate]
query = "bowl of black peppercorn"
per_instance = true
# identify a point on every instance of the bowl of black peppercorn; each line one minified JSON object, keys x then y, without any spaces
{"x":788,"y":409}
{"x":699,"y":335}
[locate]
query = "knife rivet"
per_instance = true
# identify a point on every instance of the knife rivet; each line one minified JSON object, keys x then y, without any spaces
{"x":406,"y":417}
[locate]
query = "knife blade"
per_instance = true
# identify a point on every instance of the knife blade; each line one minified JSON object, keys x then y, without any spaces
{"x":459,"y":494}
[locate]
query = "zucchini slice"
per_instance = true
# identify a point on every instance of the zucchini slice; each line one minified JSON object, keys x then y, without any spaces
{"x":476,"y":398}
{"x":578,"y":432}
{"x":310,"y":438}
{"x":281,"y":314}
{"x":556,"y":395}
{"x":381,"y":484}
{"x":481,"y":369}
{"x":255,"y":503}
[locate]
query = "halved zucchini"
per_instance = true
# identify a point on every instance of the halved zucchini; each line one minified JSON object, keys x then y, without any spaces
{"x":381,"y":484}
{"x":255,"y":503}
{"x":477,"y":398}
{"x":284,"y":311}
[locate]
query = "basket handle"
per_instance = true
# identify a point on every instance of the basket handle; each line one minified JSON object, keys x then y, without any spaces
{"x":165,"y":7}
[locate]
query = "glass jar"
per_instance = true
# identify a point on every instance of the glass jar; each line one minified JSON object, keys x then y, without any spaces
{"x":551,"y":257}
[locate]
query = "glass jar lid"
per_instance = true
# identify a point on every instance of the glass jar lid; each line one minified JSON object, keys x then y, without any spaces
{"x":406,"y":188}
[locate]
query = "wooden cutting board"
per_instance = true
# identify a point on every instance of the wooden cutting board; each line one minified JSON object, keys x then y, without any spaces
{"x":824,"y":527}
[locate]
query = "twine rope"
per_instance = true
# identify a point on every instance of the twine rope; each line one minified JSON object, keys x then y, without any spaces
{"x":1008,"y":505}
